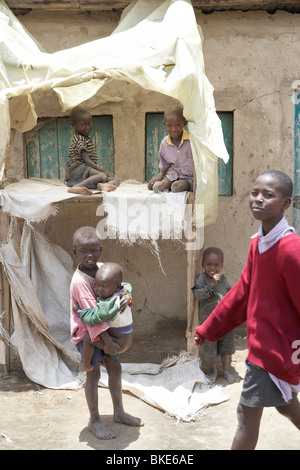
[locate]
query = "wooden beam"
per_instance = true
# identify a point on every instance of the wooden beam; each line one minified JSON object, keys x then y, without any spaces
{"x":5,"y":290}
{"x":192,"y":307}
{"x":92,"y":5}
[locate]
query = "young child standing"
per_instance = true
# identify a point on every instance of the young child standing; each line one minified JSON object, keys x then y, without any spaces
{"x":175,"y":155}
{"x":87,"y":247}
{"x":267,"y":296}
{"x":109,"y":289}
{"x":210,"y":287}
{"x":82,"y":169}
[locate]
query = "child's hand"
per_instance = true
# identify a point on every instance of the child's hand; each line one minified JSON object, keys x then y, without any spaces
{"x":76,"y":308}
{"x":199,"y":342}
{"x":124,"y":302}
{"x":216,"y":278}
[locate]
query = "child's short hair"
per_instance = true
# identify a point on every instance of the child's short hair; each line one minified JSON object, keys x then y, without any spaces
{"x":111,"y":271}
{"x":86,"y":233}
{"x":174,"y":110}
{"x":77,"y":112}
{"x":287,"y":185}
{"x":212,"y":250}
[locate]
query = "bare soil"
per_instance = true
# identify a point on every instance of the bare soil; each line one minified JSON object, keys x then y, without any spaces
{"x":36,"y":418}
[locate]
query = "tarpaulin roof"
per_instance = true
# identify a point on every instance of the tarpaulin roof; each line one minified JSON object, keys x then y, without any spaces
{"x":157,"y":45}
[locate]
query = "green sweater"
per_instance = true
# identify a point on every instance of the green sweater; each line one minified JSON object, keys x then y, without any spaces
{"x":105,"y":309}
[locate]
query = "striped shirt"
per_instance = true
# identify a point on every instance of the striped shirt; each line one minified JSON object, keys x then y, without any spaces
{"x":179,"y":158}
{"x":78,"y":143}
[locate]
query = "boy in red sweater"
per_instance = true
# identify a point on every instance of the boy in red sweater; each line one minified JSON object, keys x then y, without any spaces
{"x":267,"y":296}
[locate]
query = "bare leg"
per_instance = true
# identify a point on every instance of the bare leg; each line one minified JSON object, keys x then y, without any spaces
{"x":163,"y":185}
{"x":95,"y":178}
{"x":87,"y":354}
{"x":213,"y":371}
{"x":91,"y":392}
{"x":291,"y":411}
{"x":225,"y":358}
{"x":246,"y":435}
{"x":115,"y":387}
{"x":107,"y":344}
{"x":179,"y":186}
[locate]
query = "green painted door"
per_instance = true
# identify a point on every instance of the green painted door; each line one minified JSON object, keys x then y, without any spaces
{"x":155,"y":132}
{"x":47,"y":148}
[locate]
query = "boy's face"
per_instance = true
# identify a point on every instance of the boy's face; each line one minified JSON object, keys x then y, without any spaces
{"x":88,"y":252}
{"x":267,"y":202}
{"x":174,"y":125}
{"x":83,"y":124}
{"x":212,"y":264}
{"x":104,"y":287}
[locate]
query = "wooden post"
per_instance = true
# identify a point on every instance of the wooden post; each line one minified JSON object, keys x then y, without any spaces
{"x":5,"y":289}
{"x":193,"y":265}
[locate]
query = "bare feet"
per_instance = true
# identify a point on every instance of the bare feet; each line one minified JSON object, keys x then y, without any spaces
{"x":100,"y":431}
{"x":125,"y":418}
{"x":228,"y":376}
{"x":79,"y":190}
{"x":213,"y":375}
{"x":86,"y":367}
{"x":106,"y":187}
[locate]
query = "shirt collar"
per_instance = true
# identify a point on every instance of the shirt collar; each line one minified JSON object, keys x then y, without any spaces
{"x":280,"y":228}
{"x":185,"y":136}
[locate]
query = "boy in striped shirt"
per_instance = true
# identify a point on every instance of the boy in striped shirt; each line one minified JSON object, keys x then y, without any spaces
{"x":82,"y":169}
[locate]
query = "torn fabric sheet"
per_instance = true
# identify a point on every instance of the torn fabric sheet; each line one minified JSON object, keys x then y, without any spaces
{"x":34,"y":199}
{"x":153,"y":48}
{"x":178,"y":388}
{"x":135,"y":213}
{"x":42,"y":336}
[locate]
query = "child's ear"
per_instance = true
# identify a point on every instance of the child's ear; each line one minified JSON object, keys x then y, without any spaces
{"x":74,"y":251}
{"x":287,"y":203}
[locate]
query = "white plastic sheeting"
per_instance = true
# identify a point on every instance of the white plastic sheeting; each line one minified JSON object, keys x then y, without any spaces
{"x":157,"y":45}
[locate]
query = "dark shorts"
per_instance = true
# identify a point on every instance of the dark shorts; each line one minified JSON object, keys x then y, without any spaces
{"x":76,"y":175}
{"x":224,"y":347}
{"x":259,"y":390}
{"x":97,"y":355}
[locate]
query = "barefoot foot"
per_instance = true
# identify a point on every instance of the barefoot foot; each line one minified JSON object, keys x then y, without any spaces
{"x":213,"y":375}
{"x":106,"y":187}
{"x":79,"y":190}
{"x":228,"y":376}
{"x":125,"y":418}
{"x":99,"y":430}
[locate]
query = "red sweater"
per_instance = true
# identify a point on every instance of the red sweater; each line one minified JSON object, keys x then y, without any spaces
{"x":267,"y":296}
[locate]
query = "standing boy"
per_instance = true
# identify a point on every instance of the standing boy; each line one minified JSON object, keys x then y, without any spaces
{"x":267,"y":296}
{"x":175,"y":156}
{"x":210,"y":287}
{"x":87,"y":247}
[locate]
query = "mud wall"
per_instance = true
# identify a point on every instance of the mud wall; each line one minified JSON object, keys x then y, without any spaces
{"x":251,"y":59}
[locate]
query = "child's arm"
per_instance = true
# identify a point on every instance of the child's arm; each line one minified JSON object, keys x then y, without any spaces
{"x":201,"y":290}
{"x":126,"y":297}
{"x":159,"y":177}
{"x":86,"y":159}
{"x":105,"y":310}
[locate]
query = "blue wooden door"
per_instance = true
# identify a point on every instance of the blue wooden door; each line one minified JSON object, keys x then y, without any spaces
{"x":155,"y":132}
{"x":296,"y":210}
{"x":47,"y":149}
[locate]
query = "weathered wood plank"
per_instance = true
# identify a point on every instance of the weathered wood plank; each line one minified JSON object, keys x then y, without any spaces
{"x":120,"y":4}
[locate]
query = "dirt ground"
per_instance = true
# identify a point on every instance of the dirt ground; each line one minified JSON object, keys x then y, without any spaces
{"x":36,"y":418}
